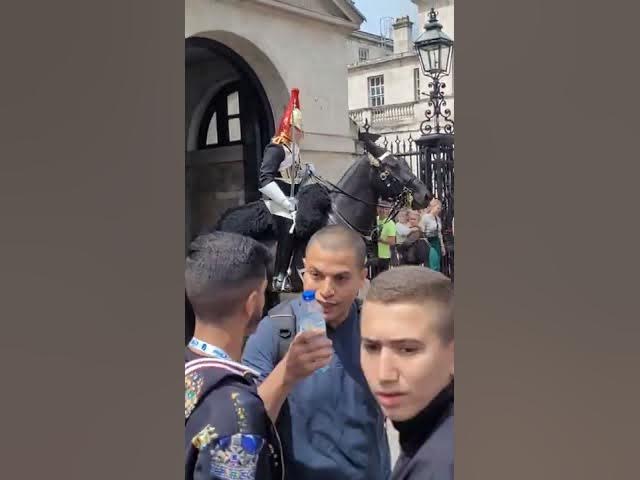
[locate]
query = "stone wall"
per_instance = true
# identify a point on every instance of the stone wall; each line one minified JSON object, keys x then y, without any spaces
{"x":288,"y":51}
{"x":216,"y":182}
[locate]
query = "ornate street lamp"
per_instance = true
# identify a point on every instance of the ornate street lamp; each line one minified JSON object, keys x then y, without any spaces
{"x":434,"y":49}
{"x":436,"y":145}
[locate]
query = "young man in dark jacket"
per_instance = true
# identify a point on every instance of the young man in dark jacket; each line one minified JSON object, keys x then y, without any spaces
{"x":228,"y":434}
{"x":330,"y":425}
{"x":407,"y":357}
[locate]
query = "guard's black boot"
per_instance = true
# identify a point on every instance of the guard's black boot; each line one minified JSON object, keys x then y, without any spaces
{"x":284,"y":252}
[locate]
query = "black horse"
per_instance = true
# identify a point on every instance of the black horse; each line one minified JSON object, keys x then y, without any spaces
{"x":377,"y":175}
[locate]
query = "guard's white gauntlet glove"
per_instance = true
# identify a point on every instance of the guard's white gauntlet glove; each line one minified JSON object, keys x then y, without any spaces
{"x":273,"y":191}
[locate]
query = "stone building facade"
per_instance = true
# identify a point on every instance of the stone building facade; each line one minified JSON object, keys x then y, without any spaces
{"x":385,"y":88}
{"x":242,"y":57}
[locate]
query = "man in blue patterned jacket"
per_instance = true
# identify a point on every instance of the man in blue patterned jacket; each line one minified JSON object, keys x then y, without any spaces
{"x":228,"y":434}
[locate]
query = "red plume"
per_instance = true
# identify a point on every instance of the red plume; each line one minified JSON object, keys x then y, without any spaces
{"x":287,"y":121}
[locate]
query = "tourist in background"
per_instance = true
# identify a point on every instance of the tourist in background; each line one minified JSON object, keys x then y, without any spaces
{"x":414,"y":250}
{"x":386,"y":239}
{"x":432,"y":226}
{"x":402,"y":226}
{"x":402,"y":231}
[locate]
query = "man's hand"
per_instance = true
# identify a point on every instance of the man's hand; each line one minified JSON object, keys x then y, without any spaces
{"x":308,"y":352}
{"x":309,"y":170}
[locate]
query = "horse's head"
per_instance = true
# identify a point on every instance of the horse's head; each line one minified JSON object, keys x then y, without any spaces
{"x":392,"y":175}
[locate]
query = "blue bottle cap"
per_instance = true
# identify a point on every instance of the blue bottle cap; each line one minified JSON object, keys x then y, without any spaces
{"x":309,"y":295}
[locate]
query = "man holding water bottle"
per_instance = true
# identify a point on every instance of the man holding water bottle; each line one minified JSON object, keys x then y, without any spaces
{"x":329,"y":422}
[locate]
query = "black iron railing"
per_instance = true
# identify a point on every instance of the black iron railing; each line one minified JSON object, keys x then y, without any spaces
{"x":431,"y":158}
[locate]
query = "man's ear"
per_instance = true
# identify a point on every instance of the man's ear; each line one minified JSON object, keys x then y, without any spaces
{"x":251,"y":302}
{"x":363,"y":277}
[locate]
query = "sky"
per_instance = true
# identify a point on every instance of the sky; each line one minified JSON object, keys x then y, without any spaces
{"x":374,"y":10}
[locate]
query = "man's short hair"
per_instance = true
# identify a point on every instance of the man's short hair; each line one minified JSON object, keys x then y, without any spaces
{"x":221,"y":271}
{"x":339,"y":237}
{"x":416,"y":285}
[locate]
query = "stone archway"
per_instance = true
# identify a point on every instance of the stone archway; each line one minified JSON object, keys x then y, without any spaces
{"x":230,"y":90}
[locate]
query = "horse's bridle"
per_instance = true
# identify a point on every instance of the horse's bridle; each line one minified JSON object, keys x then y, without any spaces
{"x":384,"y":174}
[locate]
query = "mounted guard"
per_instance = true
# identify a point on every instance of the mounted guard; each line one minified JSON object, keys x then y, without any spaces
{"x":281,"y":175}
{"x":296,"y":202}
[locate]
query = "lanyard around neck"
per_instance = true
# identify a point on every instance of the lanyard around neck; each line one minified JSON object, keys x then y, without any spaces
{"x":208,"y":349}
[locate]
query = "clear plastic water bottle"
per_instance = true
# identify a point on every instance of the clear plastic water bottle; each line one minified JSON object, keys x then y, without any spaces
{"x":312,"y":317}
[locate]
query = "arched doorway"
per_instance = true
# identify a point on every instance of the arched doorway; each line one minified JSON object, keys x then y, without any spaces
{"x":228,"y":122}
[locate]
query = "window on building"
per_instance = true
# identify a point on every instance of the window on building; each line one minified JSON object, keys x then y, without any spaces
{"x":221,"y":122}
{"x":233,"y":117}
{"x":212,"y":131}
{"x":376,"y":91}
{"x":363,"y":54}
{"x":416,"y":84}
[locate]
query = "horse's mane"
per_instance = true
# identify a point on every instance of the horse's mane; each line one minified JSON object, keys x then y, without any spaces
{"x":351,"y":170}
{"x":314,"y":205}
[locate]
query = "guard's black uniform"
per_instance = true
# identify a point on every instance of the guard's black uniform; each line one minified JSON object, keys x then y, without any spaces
{"x":273,"y":156}
{"x":228,"y":434}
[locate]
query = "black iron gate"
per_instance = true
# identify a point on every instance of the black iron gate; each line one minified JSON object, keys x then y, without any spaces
{"x":436,"y":171}
{"x":431,"y":160}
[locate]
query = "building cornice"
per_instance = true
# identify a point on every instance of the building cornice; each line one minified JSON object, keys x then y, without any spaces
{"x":350,"y":10}
{"x":372,"y":38}
{"x":351,"y":24}
{"x":376,"y":62}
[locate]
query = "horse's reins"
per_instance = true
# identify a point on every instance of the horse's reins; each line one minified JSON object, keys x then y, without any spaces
{"x":337,"y":189}
{"x":395,"y":209}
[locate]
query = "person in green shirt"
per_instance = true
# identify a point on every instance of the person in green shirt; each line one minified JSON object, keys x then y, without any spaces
{"x":386,"y":240}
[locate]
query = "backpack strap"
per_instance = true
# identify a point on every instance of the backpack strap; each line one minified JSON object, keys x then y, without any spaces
{"x":285,"y":327}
